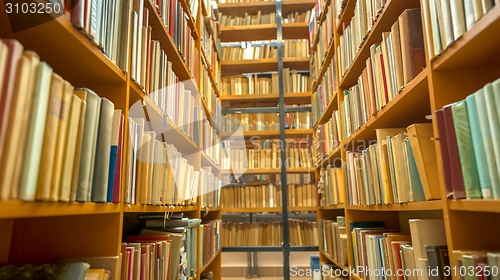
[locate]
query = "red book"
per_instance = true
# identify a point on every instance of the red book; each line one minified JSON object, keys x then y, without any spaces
{"x":171,"y":23}
{"x":445,"y":157}
{"x":386,"y":93}
{"x":457,"y":179}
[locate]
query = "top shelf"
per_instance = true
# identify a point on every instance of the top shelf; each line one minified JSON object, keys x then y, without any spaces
{"x":239,"y":9}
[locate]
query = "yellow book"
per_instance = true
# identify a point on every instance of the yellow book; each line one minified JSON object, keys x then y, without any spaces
{"x":50,"y":138}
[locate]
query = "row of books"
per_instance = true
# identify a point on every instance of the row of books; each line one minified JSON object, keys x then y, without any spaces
{"x":331,"y":186}
{"x":446,"y":21}
{"x":296,"y":48}
{"x":210,"y":141}
{"x":297,"y":17}
{"x":400,"y":167}
{"x":263,"y":84}
{"x":333,"y":239}
{"x":109,"y":31}
{"x":210,"y":97}
{"x":98,"y":268}
{"x":485,"y":263}
{"x":265,"y":121}
{"x":251,"y":52}
{"x":324,"y":34}
{"x":210,"y":188}
{"x":210,"y":240}
{"x":248,"y":19}
{"x":393,"y":64}
{"x":210,"y":46}
{"x":267,"y":157}
{"x":57,"y":143}
{"x":319,"y":7}
{"x":468,"y":136}
{"x":165,"y":248}
{"x":157,"y":173}
{"x":326,"y":90}
{"x":376,"y":248}
{"x":395,"y":61}
{"x":147,"y":52}
{"x":354,"y":32}
{"x":262,"y":179}
{"x":327,"y":137}
{"x":237,"y":234}
{"x":252,"y":195}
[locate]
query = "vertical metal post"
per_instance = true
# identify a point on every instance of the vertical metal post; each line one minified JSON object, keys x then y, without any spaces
{"x":284,"y":189}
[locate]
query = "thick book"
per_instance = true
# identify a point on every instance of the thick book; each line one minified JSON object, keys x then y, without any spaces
{"x":113,"y":154}
{"x":492,"y":99}
{"x":89,"y":143}
{"x":412,"y":44}
{"x":99,"y":189}
{"x":445,"y":153}
{"x":424,"y":232}
{"x":35,"y":132}
{"x":466,"y":150}
{"x":457,"y":178}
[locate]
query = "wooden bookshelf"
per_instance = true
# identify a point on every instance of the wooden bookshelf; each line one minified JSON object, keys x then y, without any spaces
{"x":207,"y":161}
{"x":191,"y":18}
{"x":209,"y":263}
{"x":258,"y":32}
{"x":325,"y":64}
{"x":410,"y":106}
{"x":264,"y":100}
{"x":233,"y":67}
{"x":21,"y":209}
{"x":475,"y":205}
{"x":331,"y":207}
{"x":320,"y":20}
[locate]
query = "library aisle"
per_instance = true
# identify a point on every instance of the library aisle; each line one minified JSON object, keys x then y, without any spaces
{"x":249,"y":139}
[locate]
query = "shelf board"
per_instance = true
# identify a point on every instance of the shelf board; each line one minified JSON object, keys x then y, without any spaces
{"x":206,"y":161}
{"x":269,"y":249}
{"x":266,"y":100}
{"x":233,"y":67}
{"x":213,"y":209}
{"x":267,"y":170}
{"x":159,"y":122}
{"x":328,"y":111}
{"x":266,"y":7}
{"x":477,"y":47}
{"x":33,"y":209}
{"x":61,"y":41}
{"x":331,"y":207}
{"x":332,"y":260}
{"x":160,"y":33}
{"x":267,"y":134}
{"x":210,"y":262}
{"x":386,"y":18}
{"x":268,"y":209}
{"x":324,"y":64}
{"x":259,"y":32}
{"x":411,"y":206}
{"x":335,"y":154}
{"x":408,"y":107}
{"x":137,"y":208}
{"x":476,"y":205}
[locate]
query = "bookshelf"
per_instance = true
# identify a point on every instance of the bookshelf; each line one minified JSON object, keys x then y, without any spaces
{"x":75,"y":229}
{"x":459,"y":70}
{"x":250,"y":103}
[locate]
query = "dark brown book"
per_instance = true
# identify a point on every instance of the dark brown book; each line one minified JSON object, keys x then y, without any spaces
{"x":457,"y":180}
{"x":445,"y":157}
{"x":412,"y":44}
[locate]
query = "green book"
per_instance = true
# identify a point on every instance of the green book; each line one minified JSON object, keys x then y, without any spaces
{"x":479,"y":144}
{"x":466,"y":150}
{"x":417,"y":191}
{"x":492,"y":106}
